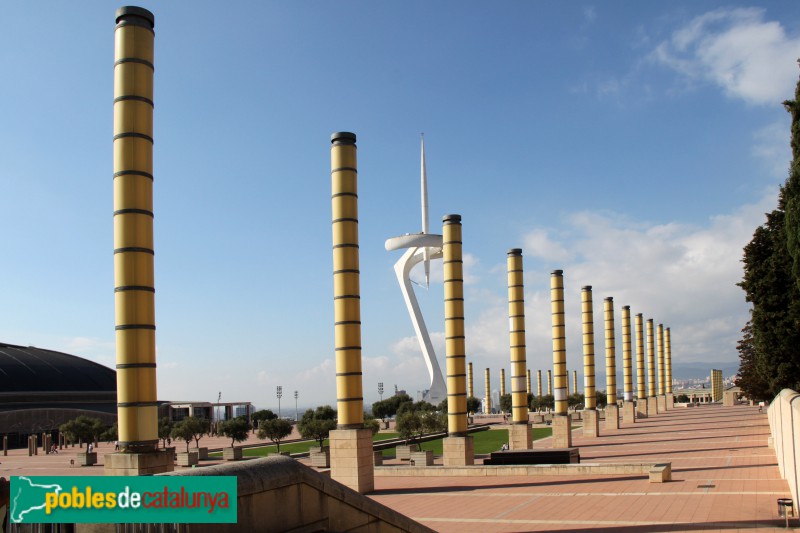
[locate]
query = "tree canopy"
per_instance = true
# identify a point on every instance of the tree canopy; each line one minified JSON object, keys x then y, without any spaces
{"x":236,"y":429}
{"x":389,"y":407}
{"x":317,"y":423}
{"x":190,"y":428}
{"x":793,"y":188}
{"x":275,"y":429}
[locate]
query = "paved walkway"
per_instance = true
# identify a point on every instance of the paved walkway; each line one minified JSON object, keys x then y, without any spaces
{"x":725,"y":478}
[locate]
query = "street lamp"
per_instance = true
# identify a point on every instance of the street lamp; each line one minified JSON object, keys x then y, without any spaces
{"x":295,"y":406}
{"x":280,"y":393}
{"x":380,"y":389}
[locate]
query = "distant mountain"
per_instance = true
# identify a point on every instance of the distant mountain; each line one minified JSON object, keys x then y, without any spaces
{"x":700,"y":369}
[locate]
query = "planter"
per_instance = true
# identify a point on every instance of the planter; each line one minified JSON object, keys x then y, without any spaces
{"x":404,"y":452}
{"x":321,"y":459}
{"x":318,"y":449}
{"x":232,"y":454}
{"x":87,"y":459}
{"x":188,"y":458}
{"x":202,"y":453}
{"x":377,"y":458}
{"x":424,"y":458}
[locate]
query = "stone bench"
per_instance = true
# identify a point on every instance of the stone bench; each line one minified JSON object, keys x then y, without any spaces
{"x":660,"y":473}
{"x":232,"y":454}
{"x":553,"y":456}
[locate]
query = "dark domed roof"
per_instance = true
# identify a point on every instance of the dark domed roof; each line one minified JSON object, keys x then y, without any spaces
{"x":38,"y":370}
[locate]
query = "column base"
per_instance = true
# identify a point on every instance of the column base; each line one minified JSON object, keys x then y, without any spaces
{"x":662,"y":403}
{"x":641,"y":408}
{"x":591,"y":423}
{"x":628,"y":413}
{"x":562,"y":431}
{"x":612,"y":416}
{"x":458,"y":451}
{"x":139,"y":464}
{"x":652,"y":406}
{"x":670,"y":401}
{"x":520,"y":437}
{"x":352,"y":459}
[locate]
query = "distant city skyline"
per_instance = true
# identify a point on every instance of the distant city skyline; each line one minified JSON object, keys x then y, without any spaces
{"x":636,"y":146}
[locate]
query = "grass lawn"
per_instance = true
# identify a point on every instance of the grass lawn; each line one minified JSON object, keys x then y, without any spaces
{"x":485,"y":441}
{"x":297,"y":447}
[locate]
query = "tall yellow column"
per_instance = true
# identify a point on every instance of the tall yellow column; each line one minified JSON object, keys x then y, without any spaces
{"x":652,"y":403}
{"x":668,"y":355}
{"x":351,"y":444}
{"x":662,"y":398}
{"x":539,"y":383}
{"x":134,"y":289}
{"x":641,"y":392}
{"x":519,"y":436}
{"x":575,"y":381}
{"x":458,"y":448}
{"x":628,"y":408}
{"x":562,"y":422}
{"x":612,"y":411}
{"x":591,"y":424}
{"x":502,"y":382}
{"x":528,"y":380}
{"x":470,"y":392}
{"x":487,"y":404}
{"x":549,"y":382}
{"x":568,"y":391}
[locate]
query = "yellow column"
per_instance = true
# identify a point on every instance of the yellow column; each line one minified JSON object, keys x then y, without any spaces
{"x":528,"y":376}
{"x":628,"y":408}
{"x":351,"y":444}
{"x":567,"y":382}
{"x":575,"y":381}
{"x":562,"y":430}
{"x":539,"y":383}
{"x":641,"y":393}
{"x":346,"y":285}
{"x":519,"y":432}
{"x":612,"y":411}
{"x":549,"y":382}
{"x":651,"y":361}
{"x":502,"y":382}
{"x":458,"y":447}
{"x":487,"y":405}
{"x":660,"y":344}
{"x":471,"y":393}
{"x":587,"y":313}
{"x":668,"y":347}
{"x":134,"y":292}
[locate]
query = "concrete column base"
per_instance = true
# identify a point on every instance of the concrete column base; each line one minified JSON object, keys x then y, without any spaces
{"x":458,"y":451}
{"x":591,"y":423}
{"x":520,"y":437}
{"x":628,"y":413}
{"x":562,"y":431}
{"x":612,"y":417}
{"x":662,"y":403}
{"x":652,"y":406}
{"x":641,"y":408}
{"x":670,"y":401}
{"x":352,"y":460}
{"x":139,"y":464}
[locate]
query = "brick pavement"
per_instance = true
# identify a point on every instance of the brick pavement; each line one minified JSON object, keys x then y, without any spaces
{"x":725,"y":478}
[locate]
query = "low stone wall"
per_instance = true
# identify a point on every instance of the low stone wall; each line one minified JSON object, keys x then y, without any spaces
{"x":784,"y":424}
{"x":279,"y":494}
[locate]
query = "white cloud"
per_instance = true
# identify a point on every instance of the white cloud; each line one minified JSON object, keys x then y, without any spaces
{"x":771,"y":146}
{"x":748,"y":57}
{"x":539,"y":244}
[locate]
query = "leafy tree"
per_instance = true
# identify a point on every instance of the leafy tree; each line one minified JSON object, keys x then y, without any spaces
{"x":543,"y":402}
{"x":390,"y":406}
{"x":682,"y":398}
{"x":602,"y":398}
{"x":793,"y":188}
{"x":190,"y":428}
{"x":82,"y":428}
{"x":575,"y":400}
{"x":111,"y":433}
{"x":473,"y":404}
{"x":262,"y":415}
{"x":236,"y":429}
{"x":433,"y":421}
{"x":275,"y":429}
{"x":371,"y":424}
{"x":164,"y":430}
{"x":317,"y":424}
{"x":409,"y":425}
{"x":505,"y":403}
{"x":769,"y":351}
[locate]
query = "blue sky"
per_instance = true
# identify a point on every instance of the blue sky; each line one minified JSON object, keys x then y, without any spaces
{"x":635,"y":145}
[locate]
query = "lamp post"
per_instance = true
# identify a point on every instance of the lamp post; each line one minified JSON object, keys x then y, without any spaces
{"x":380,"y":389}
{"x":295,"y":406}
{"x":279,"y":394}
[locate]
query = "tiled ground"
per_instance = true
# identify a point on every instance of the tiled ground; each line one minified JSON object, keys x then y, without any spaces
{"x":725,"y":478}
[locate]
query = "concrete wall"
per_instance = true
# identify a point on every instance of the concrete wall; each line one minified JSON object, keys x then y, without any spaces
{"x":279,"y":494}
{"x":784,"y":423}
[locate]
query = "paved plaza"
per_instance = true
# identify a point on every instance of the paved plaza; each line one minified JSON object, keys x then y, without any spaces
{"x":725,"y":478}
